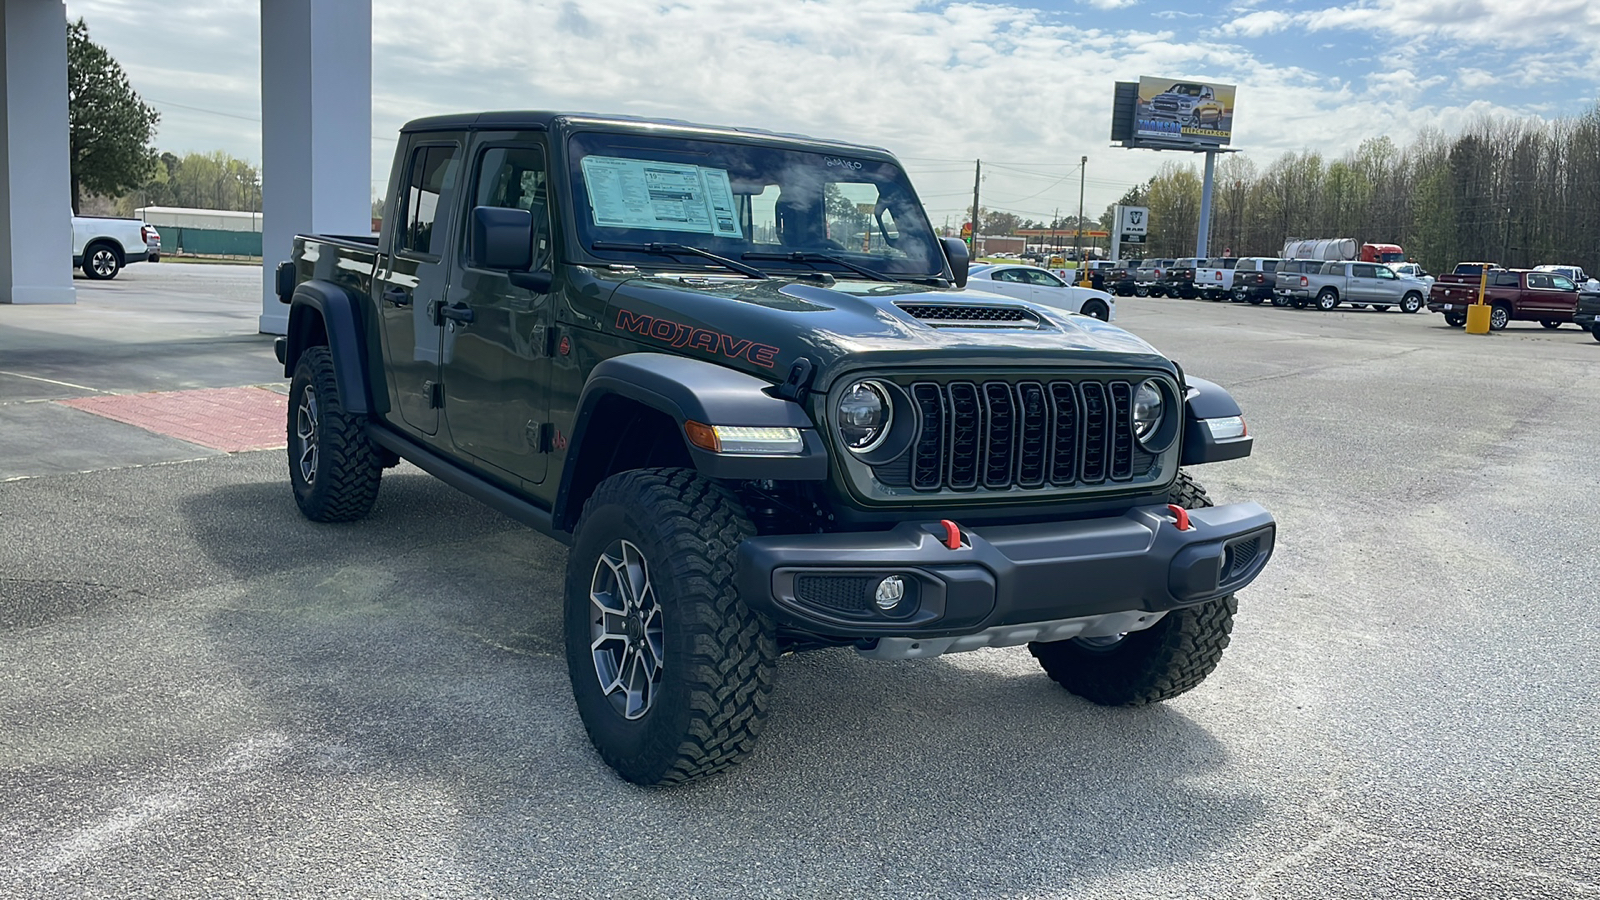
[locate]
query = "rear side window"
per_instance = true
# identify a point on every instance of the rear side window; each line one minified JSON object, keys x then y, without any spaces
{"x":1504,"y":279}
{"x":1364,"y":272}
{"x":432,"y":174}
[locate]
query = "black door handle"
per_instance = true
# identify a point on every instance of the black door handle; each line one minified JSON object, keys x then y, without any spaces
{"x":458,"y":312}
{"x":397,"y":296}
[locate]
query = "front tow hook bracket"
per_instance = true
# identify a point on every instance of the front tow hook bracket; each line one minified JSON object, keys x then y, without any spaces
{"x":952,"y":534}
{"x":1180,"y":517}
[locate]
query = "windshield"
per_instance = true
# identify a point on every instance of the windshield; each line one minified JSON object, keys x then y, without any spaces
{"x":1188,"y":90}
{"x":736,"y":199}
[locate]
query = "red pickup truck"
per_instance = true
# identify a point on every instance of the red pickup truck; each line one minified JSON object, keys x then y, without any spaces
{"x":1512,"y":294}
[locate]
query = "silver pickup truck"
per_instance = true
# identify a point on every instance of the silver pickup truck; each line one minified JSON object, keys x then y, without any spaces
{"x":1361,"y":284}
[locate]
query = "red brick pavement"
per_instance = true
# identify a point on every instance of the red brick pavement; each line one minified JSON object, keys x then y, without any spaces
{"x":229,"y":419}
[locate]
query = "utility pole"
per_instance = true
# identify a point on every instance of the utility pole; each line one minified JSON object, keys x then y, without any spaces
{"x":1077,"y":241}
{"x":977,"y":175}
{"x":1505,"y":244}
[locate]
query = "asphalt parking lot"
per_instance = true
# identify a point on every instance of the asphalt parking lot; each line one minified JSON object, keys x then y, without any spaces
{"x":206,"y":695}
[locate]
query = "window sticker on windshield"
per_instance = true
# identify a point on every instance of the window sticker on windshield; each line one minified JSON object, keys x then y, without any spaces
{"x":639,"y":193}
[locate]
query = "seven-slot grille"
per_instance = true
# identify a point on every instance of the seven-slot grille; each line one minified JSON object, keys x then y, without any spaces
{"x":996,"y":435}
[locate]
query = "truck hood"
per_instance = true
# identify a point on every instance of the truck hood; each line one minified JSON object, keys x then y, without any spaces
{"x":764,"y":326}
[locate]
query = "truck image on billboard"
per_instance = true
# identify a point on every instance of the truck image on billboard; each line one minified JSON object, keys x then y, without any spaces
{"x":1178,"y":110}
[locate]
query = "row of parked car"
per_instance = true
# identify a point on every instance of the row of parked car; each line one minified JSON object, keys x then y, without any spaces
{"x":1550,"y":295}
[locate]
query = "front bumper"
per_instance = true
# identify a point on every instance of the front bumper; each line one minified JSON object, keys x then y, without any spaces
{"x":1004,"y":576}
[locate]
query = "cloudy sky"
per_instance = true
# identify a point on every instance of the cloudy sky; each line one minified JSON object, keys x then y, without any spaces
{"x":1026,"y":86}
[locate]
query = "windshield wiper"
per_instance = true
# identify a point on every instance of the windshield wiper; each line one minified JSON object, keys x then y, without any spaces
{"x":681,"y":250}
{"x":807,"y":256}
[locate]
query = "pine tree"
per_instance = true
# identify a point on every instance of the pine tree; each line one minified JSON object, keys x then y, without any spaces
{"x":109,"y":125}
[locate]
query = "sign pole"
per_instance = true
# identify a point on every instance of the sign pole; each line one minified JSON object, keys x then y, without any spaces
{"x":1204,"y":236}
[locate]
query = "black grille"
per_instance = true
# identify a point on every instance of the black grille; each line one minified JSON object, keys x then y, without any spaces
{"x":843,"y":593}
{"x":997,"y":435}
{"x":979,"y":315}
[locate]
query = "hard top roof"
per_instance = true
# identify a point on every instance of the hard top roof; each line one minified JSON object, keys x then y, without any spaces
{"x":543,"y":120}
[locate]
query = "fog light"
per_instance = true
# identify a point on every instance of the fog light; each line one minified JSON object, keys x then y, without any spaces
{"x":891,"y":591}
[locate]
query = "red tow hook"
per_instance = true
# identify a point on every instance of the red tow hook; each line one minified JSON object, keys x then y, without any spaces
{"x":1180,"y":517}
{"x":952,"y":534}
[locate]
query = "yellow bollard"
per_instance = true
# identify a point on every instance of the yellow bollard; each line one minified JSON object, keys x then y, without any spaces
{"x":1478,"y":319}
{"x":1478,"y":313}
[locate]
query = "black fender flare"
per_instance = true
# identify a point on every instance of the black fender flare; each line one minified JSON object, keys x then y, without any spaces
{"x":339,"y":312}
{"x":1208,"y":400}
{"x":692,"y":390}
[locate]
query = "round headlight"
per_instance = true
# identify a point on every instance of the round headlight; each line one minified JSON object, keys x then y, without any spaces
{"x":1148,"y":407}
{"x":863,"y":415}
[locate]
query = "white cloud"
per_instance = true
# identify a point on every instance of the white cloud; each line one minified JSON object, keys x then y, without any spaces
{"x":1256,"y":24}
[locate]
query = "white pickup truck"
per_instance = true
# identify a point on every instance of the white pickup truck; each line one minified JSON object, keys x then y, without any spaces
{"x":102,"y":246}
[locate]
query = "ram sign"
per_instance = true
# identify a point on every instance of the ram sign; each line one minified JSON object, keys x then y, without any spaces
{"x":1181,"y":111}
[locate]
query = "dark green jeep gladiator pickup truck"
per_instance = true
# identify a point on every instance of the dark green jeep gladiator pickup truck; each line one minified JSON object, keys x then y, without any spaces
{"x":736,"y":372}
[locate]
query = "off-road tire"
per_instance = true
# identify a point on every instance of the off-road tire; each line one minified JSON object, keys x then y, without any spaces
{"x":101,"y":261}
{"x":1411,"y":302}
{"x":1097,"y":309}
{"x":1159,"y":663}
{"x":345,"y":469}
{"x":1328,"y":300}
{"x":718,"y":657}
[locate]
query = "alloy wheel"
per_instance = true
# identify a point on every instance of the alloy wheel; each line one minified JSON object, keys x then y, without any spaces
{"x":305,"y":431}
{"x":625,"y":630}
{"x":104,"y":263}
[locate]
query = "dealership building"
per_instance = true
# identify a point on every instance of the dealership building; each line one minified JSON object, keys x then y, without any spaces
{"x":316,"y":134}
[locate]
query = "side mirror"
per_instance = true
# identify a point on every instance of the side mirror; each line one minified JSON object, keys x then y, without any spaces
{"x":501,"y":239}
{"x":955,"y":250}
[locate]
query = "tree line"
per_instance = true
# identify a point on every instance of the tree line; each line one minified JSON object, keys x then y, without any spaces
{"x":1517,"y":192}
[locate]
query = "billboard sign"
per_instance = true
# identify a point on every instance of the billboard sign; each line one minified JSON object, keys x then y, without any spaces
{"x":1177,"y":110}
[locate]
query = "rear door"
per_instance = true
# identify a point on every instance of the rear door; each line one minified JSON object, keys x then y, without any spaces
{"x":1007,"y":280}
{"x":496,"y":341}
{"x":411,"y":277}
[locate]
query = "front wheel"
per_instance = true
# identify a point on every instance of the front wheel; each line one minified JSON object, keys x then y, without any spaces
{"x":333,"y":467}
{"x":1097,"y":309}
{"x":1141,"y":667}
{"x":671,"y":672}
{"x":1410,"y":303}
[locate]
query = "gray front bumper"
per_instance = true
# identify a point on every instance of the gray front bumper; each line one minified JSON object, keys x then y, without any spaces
{"x":1004,"y":575}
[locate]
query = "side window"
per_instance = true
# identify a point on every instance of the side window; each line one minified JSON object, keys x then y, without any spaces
{"x":1363,"y":271}
{"x":433,"y":172}
{"x":1504,"y":279}
{"x":1562,"y":284}
{"x":1043,"y":279}
{"x":516,"y":178}
{"x":1384,"y":272}
{"x":1538,"y":280}
{"x":1007,"y":275}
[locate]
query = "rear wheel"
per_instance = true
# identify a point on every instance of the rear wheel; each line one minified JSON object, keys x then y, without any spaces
{"x":1595,"y":331}
{"x":1550,"y":323}
{"x":101,"y":262}
{"x":671,"y":672}
{"x":1455,"y":319}
{"x":1159,"y":663}
{"x":1098,"y":310}
{"x":1328,"y":299}
{"x":1499,"y":317}
{"x":333,"y":467}
{"x":1141,"y":291}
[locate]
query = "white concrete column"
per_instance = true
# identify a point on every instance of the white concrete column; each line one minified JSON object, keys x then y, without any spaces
{"x":316,"y":129}
{"x":35,"y":180}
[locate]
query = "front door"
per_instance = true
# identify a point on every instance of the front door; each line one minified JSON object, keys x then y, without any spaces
{"x":496,"y":367}
{"x":411,"y":278}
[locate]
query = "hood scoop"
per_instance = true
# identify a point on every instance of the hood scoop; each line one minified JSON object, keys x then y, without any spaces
{"x":972,"y":315}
